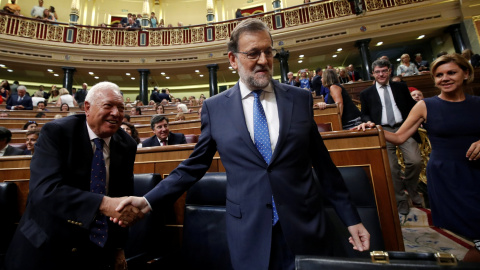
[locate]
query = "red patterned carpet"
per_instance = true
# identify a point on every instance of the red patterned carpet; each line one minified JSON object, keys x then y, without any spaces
{"x":419,"y":235}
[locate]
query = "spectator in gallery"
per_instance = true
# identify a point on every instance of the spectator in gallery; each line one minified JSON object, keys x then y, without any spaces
{"x":37,"y":11}
{"x":153,"y":20}
{"x":238,"y":13}
{"x":53,"y":12}
{"x":291,"y":79}
{"x":12,"y":8}
{"x":47,"y":16}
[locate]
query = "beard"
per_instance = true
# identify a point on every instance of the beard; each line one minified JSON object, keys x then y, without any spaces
{"x":255,"y":80}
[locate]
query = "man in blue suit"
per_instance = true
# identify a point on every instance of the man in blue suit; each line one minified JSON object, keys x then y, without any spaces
{"x":20,"y":101}
{"x":274,"y":208}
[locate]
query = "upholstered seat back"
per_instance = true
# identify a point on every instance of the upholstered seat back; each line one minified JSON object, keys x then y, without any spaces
{"x":204,"y":236}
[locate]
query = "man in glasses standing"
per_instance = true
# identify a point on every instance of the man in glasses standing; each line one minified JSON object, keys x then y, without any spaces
{"x":388,"y":103}
{"x":268,"y":143}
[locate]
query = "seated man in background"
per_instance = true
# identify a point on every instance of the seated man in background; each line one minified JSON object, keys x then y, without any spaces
{"x":416,"y":94}
{"x":5,"y":149}
{"x":41,"y":106}
{"x":20,"y":101}
{"x":163,"y":136}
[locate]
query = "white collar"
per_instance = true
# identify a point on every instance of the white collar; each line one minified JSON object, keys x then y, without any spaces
{"x":92,"y":135}
{"x":245,"y":91}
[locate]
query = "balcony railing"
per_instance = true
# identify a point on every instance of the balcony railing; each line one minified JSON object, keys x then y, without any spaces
{"x":156,"y":37}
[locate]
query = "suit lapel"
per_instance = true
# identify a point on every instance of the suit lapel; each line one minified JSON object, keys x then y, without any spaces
{"x":234,"y":105}
{"x":285,"y":109}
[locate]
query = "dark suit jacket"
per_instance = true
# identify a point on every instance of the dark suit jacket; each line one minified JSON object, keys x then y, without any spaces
{"x":252,"y":182}
{"x":80,"y":95}
{"x":60,"y":208}
{"x":162,"y":96}
{"x":13,"y":151}
{"x":154,"y":97}
{"x":173,"y":138}
{"x":357,"y":75}
{"x":372,"y":105}
{"x":26,"y":102}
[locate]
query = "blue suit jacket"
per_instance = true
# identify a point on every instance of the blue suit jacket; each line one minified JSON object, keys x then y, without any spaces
{"x":252,"y":182}
{"x":173,"y":138}
{"x":26,"y":102}
{"x":60,"y":208}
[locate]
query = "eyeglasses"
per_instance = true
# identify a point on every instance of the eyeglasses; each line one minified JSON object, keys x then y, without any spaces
{"x":32,"y":122}
{"x":384,"y":71}
{"x":254,"y":55}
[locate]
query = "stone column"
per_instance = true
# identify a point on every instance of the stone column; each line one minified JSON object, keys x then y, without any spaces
{"x":457,"y":39}
{"x":68,"y":78}
{"x":144,"y":85}
{"x":212,"y":79}
{"x":282,"y":56}
{"x":364,"y":50}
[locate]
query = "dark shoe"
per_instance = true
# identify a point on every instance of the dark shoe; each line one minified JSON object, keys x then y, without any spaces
{"x":403,"y":208}
{"x":417,"y":200}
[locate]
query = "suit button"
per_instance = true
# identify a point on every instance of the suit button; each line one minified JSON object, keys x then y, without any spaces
{"x":74,"y":249}
{"x":269,"y":206}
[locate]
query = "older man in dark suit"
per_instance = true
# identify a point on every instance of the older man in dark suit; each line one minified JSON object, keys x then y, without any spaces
{"x":163,"y":136}
{"x":5,"y":149}
{"x":268,"y":142}
{"x":388,"y":104}
{"x":73,"y":183}
{"x":20,"y":101}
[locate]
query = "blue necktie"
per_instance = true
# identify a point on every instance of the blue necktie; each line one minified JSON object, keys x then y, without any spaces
{"x":262,"y":138}
{"x":98,"y":181}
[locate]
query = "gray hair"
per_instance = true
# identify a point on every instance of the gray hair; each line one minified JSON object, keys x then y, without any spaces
{"x":183,"y":107}
{"x":100,"y":87}
{"x":248,"y":25}
{"x":22,"y":87}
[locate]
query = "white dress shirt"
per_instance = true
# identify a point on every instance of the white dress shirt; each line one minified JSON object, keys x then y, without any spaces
{"x":396,"y":111}
{"x":106,"y":152}
{"x":269,"y":103}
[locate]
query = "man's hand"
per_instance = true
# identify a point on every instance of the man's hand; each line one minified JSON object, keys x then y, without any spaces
{"x":137,"y":202}
{"x":360,"y":238}
{"x":129,"y":215}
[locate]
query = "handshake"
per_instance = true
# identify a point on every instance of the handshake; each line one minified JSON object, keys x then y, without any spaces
{"x":124,"y":210}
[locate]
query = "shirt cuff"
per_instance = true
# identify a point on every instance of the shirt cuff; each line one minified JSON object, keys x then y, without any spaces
{"x":149,"y":205}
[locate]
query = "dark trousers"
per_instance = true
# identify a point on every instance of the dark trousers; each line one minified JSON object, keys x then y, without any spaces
{"x":281,"y":258}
